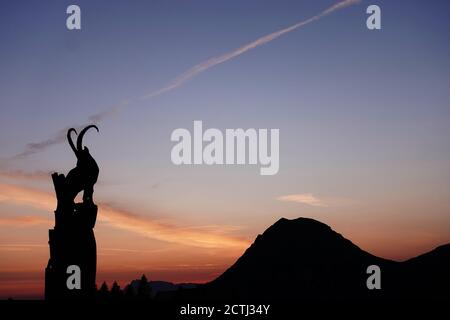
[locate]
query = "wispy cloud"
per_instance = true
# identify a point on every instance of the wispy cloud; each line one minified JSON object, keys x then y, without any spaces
{"x":23,"y":221}
{"x":37,"y":175}
{"x":20,"y":174}
{"x":34,"y":147}
{"x":206,"y":236}
{"x":305,"y":198}
{"x":59,"y":137}
{"x":20,"y":247}
{"x":18,"y":195}
{"x":98,"y":117}
{"x":312,"y":200}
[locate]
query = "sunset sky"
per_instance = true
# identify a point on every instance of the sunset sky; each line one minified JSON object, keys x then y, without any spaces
{"x":363,"y":118}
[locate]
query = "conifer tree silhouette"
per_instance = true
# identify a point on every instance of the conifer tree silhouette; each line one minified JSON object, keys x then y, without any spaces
{"x":144,"y":289}
{"x":116,"y":293}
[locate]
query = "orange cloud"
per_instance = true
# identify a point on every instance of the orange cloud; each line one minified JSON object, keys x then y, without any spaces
{"x":305,"y":198}
{"x":207,"y":236}
{"x":20,"y":174}
{"x":27,"y":196}
{"x":23,"y":221}
{"x":20,"y":247}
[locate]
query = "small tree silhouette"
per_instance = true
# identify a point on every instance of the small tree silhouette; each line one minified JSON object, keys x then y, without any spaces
{"x":116,"y":292}
{"x":144,"y":289}
{"x":103,"y":293}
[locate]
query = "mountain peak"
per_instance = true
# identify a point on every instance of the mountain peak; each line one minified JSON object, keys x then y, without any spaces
{"x":304,"y":259}
{"x":300,"y":223}
{"x":297,"y":232}
{"x":297,"y":257}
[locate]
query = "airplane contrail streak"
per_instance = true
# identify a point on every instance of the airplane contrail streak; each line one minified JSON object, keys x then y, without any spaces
{"x":203,"y":66}
{"x":32,"y":148}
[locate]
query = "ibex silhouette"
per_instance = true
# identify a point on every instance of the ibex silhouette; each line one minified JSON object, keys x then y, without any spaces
{"x":85,"y":174}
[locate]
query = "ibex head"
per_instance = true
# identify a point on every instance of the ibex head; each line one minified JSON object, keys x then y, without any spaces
{"x":79,"y":150}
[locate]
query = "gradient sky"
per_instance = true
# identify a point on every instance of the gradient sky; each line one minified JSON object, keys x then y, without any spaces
{"x":363,"y":117}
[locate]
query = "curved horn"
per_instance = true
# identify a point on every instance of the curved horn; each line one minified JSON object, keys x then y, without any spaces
{"x":69,"y":138}
{"x":81,"y":135}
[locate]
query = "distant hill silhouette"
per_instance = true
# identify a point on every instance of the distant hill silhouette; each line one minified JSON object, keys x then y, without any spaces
{"x":303,"y":259}
{"x":160,"y":287}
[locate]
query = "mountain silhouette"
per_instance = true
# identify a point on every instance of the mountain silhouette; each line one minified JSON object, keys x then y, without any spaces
{"x":303,"y":259}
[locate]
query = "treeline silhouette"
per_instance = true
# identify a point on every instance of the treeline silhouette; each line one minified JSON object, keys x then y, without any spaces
{"x":137,"y":290}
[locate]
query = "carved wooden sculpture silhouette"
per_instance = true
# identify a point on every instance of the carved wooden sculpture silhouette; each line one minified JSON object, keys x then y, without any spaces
{"x":72,"y":240}
{"x":85,"y":174}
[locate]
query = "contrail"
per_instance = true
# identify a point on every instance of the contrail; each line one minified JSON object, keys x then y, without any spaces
{"x":32,"y":148}
{"x":61,"y":135}
{"x":201,"y":67}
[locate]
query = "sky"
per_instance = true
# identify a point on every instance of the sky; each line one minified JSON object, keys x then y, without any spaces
{"x":363,"y":117}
